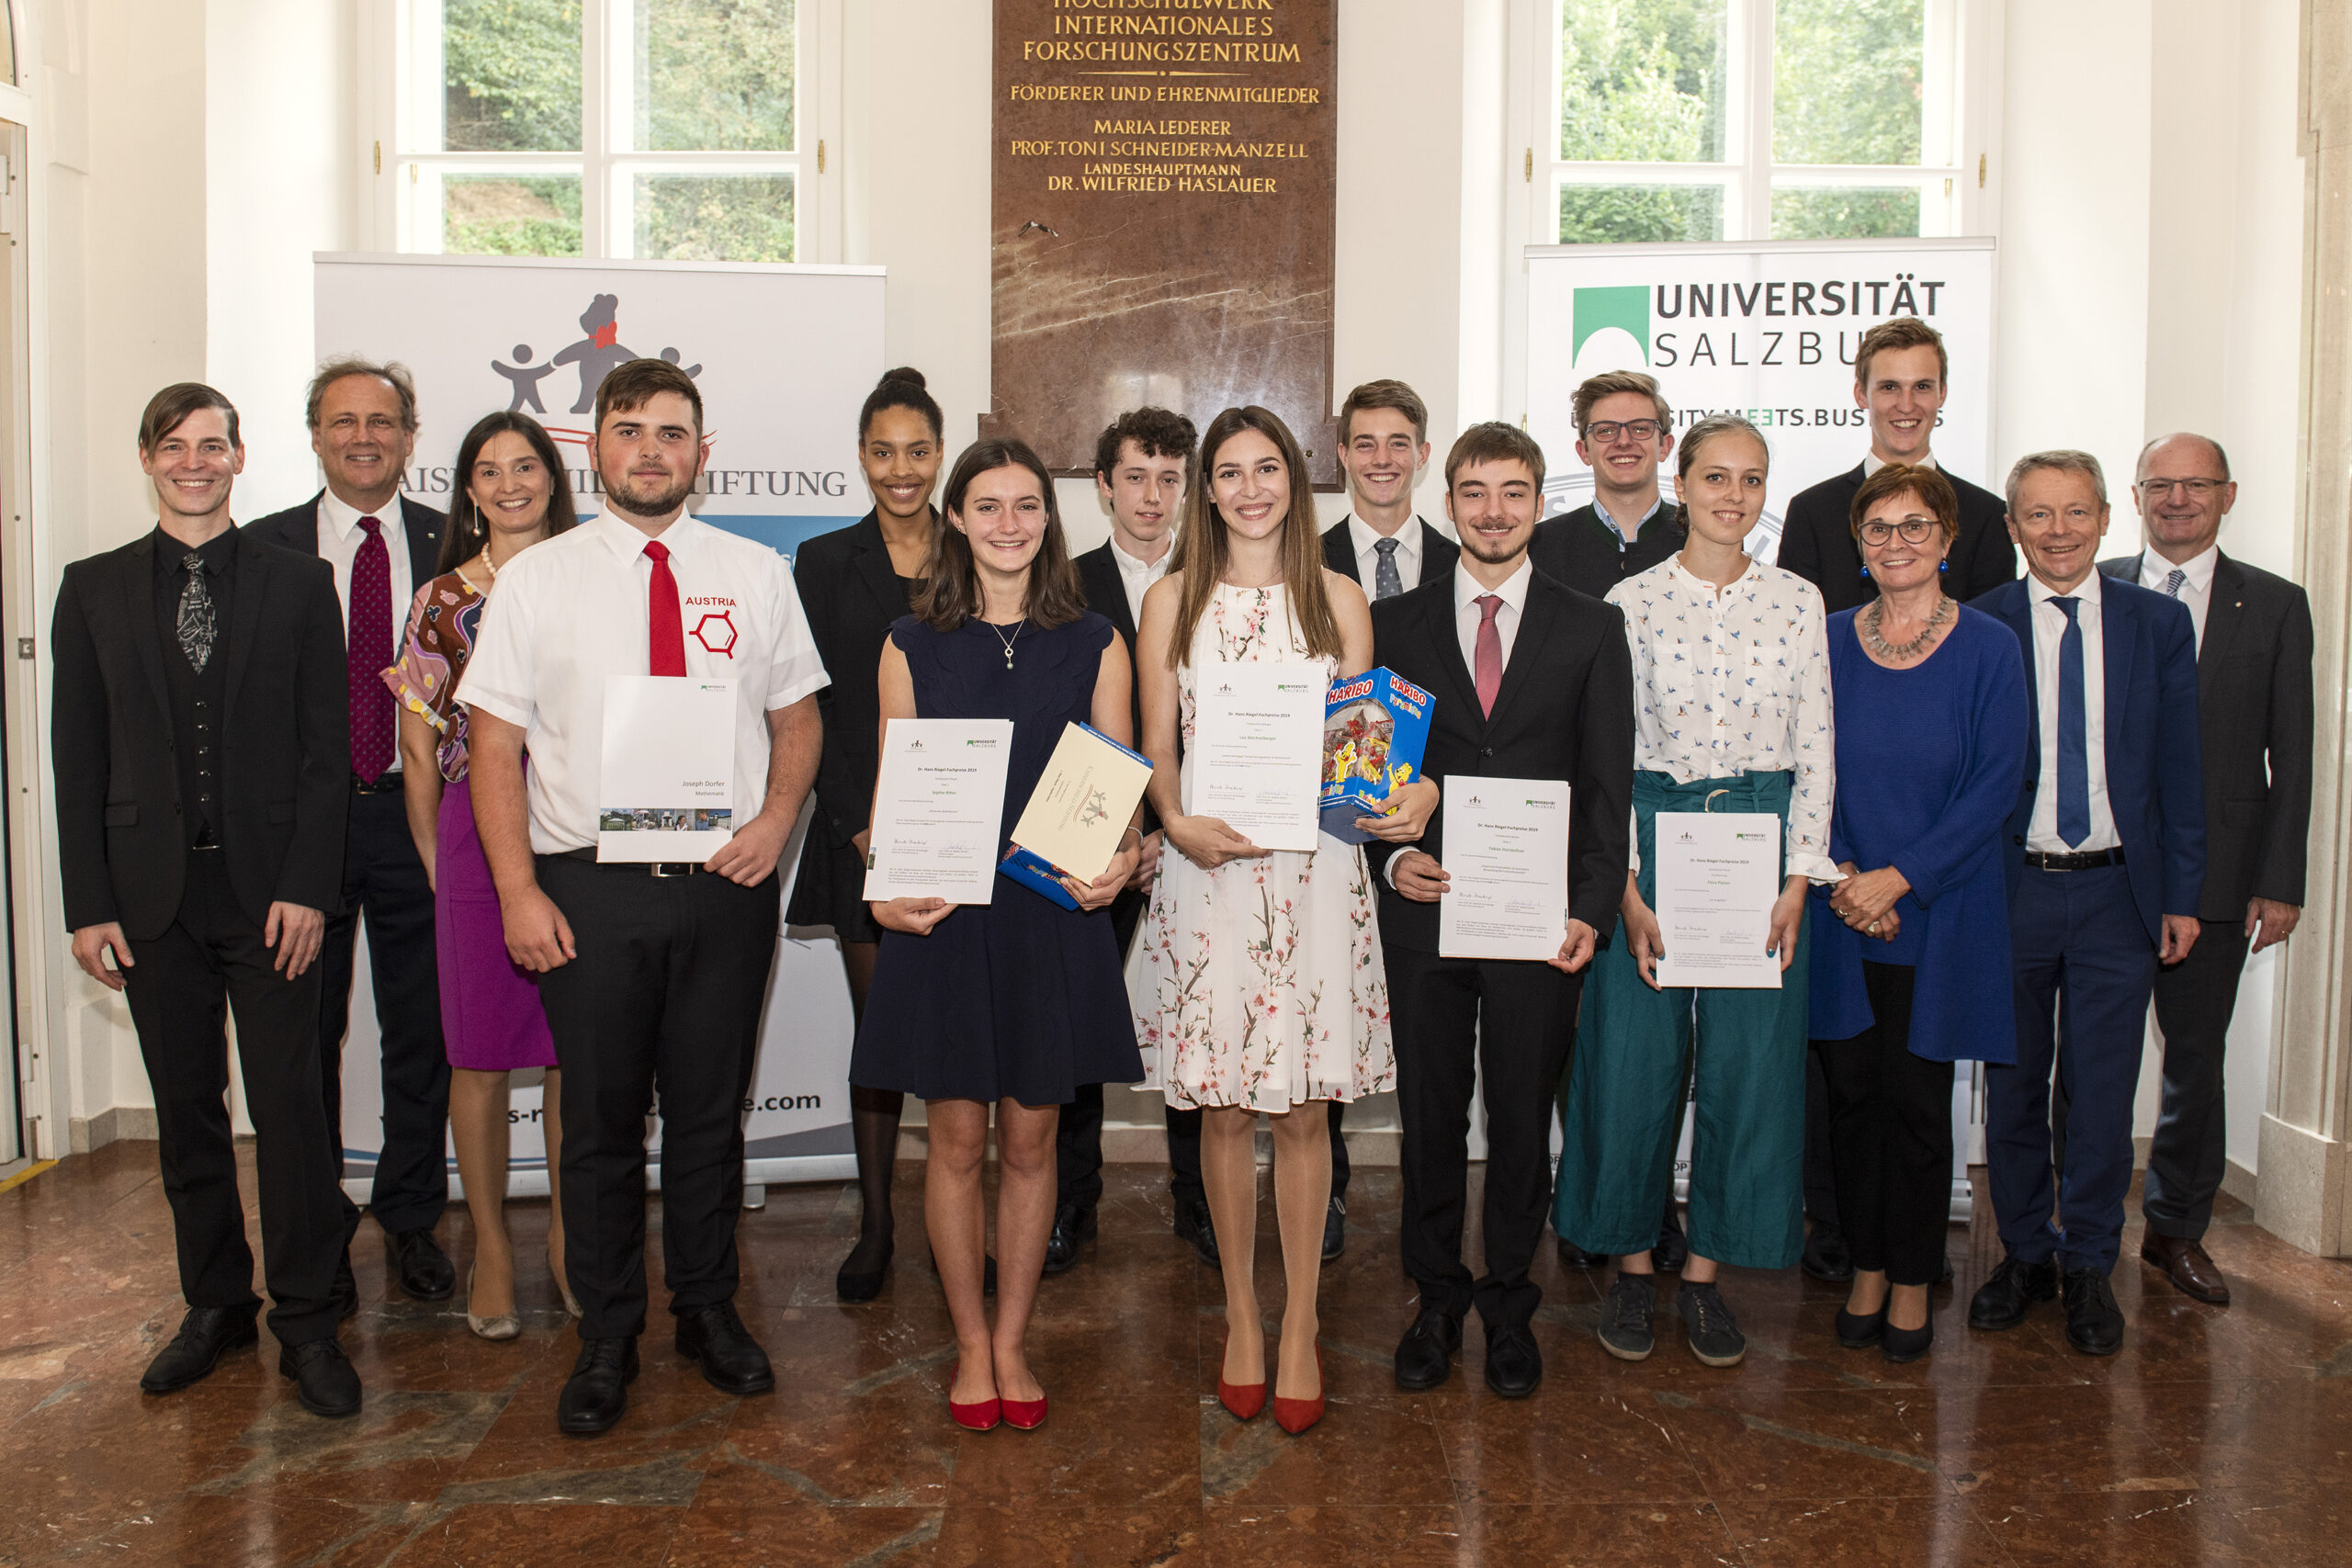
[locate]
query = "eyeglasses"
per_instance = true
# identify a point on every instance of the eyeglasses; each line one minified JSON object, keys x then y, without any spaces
{"x":2198,"y":489}
{"x":1915,"y":530}
{"x":1607,"y":430}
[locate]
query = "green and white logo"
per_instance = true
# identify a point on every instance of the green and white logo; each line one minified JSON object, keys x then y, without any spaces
{"x":1626,"y":307}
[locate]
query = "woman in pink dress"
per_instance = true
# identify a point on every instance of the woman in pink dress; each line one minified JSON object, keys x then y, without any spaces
{"x":511,"y":494}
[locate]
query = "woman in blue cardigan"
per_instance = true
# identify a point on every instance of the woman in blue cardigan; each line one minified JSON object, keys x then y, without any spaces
{"x":1911,"y":961}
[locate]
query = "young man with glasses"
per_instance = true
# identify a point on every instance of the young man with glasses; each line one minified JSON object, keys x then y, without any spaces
{"x":1624,"y":431}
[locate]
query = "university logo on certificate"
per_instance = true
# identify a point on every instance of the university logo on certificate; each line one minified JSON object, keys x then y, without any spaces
{"x":667,"y":788}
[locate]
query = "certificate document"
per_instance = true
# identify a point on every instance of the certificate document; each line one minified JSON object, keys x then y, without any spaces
{"x":1507,"y":869}
{"x":938,"y":809}
{"x":1718,"y":873}
{"x":1258,"y":751}
{"x":666,"y":791}
{"x":1078,"y":814}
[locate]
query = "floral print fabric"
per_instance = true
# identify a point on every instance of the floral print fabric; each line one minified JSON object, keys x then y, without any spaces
{"x":442,"y":624}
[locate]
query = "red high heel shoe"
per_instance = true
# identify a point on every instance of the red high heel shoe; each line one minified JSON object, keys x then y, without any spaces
{"x":1243,"y":1399}
{"x":1024,"y":1415}
{"x":1296,"y":1416}
{"x":980,"y":1415}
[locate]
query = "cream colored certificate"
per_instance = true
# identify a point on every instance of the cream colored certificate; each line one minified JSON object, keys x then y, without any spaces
{"x":1081,"y":806}
{"x":1506,"y":867}
{"x":1718,"y":873}
{"x":1258,"y":751}
{"x":938,"y":807}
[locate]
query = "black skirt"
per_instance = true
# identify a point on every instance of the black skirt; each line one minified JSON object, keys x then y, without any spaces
{"x":831,"y":888}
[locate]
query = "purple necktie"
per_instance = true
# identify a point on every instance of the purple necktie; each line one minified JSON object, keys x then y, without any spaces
{"x":369,"y":648}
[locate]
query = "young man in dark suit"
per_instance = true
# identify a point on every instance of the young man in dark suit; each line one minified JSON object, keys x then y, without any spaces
{"x":198,"y":735}
{"x":1624,"y":431}
{"x":1532,"y":680}
{"x":363,"y":427}
{"x":2254,"y":703}
{"x":2107,"y":862}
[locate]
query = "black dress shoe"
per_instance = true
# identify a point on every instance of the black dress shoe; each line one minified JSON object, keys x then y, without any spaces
{"x":416,"y":1261}
{"x":1425,"y":1356}
{"x":1900,"y":1346}
{"x":1073,"y":1227}
{"x":1194,"y":1224}
{"x":1334,"y":1228}
{"x":862,"y":1285}
{"x":1575,"y":1256}
{"x":732,"y":1360}
{"x":345,"y":1294}
{"x":2094,"y":1323}
{"x":324,"y":1379}
{"x":206,"y":1335}
{"x":1673,"y":1249}
{"x":2001,"y":1302}
{"x":598,"y":1391}
{"x":1827,"y":1255}
{"x":1859,"y":1331}
{"x":1514,"y":1366}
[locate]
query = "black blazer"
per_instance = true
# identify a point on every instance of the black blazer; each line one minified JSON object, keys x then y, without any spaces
{"x":1565,"y":711}
{"x":1578,"y":549}
{"x":1438,"y":555}
{"x":285,"y":740}
{"x":2254,"y":707}
{"x":297,"y":529}
{"x":1817,"y":543}
{"x":850,"y":594}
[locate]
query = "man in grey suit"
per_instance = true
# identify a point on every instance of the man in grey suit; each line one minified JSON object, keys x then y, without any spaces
{"x":2253,"y":699}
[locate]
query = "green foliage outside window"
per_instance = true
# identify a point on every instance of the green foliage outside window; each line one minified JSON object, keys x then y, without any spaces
{"x":714,"y":217}
{"x":1842,"y":212}
{"x":1638,"y":214}
{"x":509,"y":215}
{"x":715,"y":75}
{"x":510,"y":71}
{"x":1642,"y":80}
{"x":1847,"y":80}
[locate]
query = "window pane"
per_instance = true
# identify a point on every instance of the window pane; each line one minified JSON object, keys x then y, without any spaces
{"x":1629,"y":214}
{"x":714,"y":76}
{"x":1642,"y":79}
{"x":714,"y":217}
{"x":510,"y":76}
{"x":509,"y":215}
{"x":1846,"y":81}
{"x":1844,"y":212}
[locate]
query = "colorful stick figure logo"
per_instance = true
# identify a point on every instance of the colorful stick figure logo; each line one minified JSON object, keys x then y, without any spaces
{"x":717,"y":632}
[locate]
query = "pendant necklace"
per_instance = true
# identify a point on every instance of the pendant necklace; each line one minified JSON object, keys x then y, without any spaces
{"x":1885,"y":649}
{"x":1007,"y":641}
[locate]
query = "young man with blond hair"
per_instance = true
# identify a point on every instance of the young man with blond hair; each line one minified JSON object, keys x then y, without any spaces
{"x":1625,"y":430}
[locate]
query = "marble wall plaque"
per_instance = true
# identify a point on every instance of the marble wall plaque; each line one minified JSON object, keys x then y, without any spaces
{"x":1163,"y":216}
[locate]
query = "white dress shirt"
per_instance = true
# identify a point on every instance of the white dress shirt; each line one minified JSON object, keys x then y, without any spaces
{"x":572,"y":611}
{"x":1468,"y":613}
{"x":1624,"y":537}
{"x":2195,"y":586}
{"x":1732,"y":681}
{"x":1873,"y":463}
{"x":1137,"y":577}
{"x":340,"y":536}
{"x":2049,"y":626}
{"x":1366,"y":539}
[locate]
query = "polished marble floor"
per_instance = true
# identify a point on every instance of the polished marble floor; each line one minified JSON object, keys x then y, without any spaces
{"x":2217,"y":1435}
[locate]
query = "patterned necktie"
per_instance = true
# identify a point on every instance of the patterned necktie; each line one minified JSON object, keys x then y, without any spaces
{"x":198,"y":630}
{"x":368,"y":652}
{"x":1385,"y":583}
{"x":1488,"y":675}
{"x":2174,"y":580}
{"x":2074,"y":746}
{"x":665,"y":623}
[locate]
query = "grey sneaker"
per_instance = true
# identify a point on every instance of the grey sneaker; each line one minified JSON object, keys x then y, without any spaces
{"x":1715,"y":1337}
{"x":1625,"y":1318}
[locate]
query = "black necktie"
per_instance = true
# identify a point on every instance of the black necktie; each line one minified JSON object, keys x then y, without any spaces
{"x":197,"y":631}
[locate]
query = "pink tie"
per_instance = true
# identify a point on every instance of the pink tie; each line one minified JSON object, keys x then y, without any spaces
{"x":1489,"y":671}
{"x":369,"y":647}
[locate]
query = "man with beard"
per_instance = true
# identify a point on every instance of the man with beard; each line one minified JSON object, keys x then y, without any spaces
{"x":653,"y":973}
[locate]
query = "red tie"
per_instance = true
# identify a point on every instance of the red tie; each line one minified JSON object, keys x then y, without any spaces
{"x":665,"y":626}
{"x":1489,"y":673}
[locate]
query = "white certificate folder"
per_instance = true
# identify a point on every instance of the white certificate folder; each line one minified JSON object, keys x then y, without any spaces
{"x":1257,"y":754}
{"x":1078,"y":814}
{"x":1507,"y":868}
{"x":938,"y":809}
{"x":666,"y":791}
{"x":1718,"y":873}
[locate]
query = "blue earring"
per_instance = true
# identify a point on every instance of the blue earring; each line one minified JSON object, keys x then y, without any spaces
{"x":1943,"y":566}
{"x":1866,"y":574}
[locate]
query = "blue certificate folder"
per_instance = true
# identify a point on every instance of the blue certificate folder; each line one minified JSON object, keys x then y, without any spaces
{"x":1375,"y":728}
{"x":1036,"y":872}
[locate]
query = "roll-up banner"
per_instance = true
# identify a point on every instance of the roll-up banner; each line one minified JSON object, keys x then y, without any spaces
{"x":784,"y":356}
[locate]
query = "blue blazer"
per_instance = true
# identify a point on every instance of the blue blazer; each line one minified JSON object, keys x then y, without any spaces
{"x":2155,"y":780}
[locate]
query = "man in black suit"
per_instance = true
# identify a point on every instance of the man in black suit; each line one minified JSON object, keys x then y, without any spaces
{"x":1624,"y":431}
{"x":1901,"y":378}
{"x":363,"y":426}
{"x":197,"y":738}
{"x":2253,"y":704}
{"x":1532,"y":680}
{"x":1143,"y":467}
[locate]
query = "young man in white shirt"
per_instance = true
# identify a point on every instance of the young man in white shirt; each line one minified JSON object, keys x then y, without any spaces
{"x":652,"y":973}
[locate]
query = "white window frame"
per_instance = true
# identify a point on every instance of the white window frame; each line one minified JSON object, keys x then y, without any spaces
{"x":401,"y":106}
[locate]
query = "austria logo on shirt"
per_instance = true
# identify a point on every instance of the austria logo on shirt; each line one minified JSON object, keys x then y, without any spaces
{"x":716,"y":630}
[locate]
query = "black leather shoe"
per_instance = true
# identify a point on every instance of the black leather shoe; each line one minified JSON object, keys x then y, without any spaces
{"x":324,"y":1379}
{"x":862,"y":1284}
{"x":732,"y":1360}
{"x":1425,"y":1356}
{"x":1194,"y":1224}
{"x":416,"y":1261}
{"x":1900,"y":1346}
{"x":346,"y":1289}
{"x":1073,"y":1227}
{"x":1575,"y":1256}
{"x":206,"y":1335}
{"x":1514,"y":1366}
{"x":1859,"y":1331}
{"x":1827,"y":1255}
{"x":598,"y":1391}
{"x":2094,"y":1323}
{"x":2001,"y":1302}
{"x":1334,"y":1228}
{"x":1673,"y":1249}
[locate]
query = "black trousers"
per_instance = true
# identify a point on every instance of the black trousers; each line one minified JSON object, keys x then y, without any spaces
{"x":1820,"y":1170}
{"x":383,"y":878}
{"x":180,"y":985}
{"x":661,"y":1007}
{"x":2194,"y":1000}
{"x":1890,"y":1123}
{"x":1454,"y":1017}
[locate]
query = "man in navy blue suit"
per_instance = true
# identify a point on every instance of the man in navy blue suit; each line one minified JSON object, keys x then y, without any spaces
{"x":2106,"y":862}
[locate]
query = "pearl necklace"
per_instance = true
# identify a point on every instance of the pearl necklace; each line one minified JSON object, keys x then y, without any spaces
{"x":1868,"y":625}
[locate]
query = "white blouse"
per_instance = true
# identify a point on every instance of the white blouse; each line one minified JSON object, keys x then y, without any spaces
{"x":1734,"y":680}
